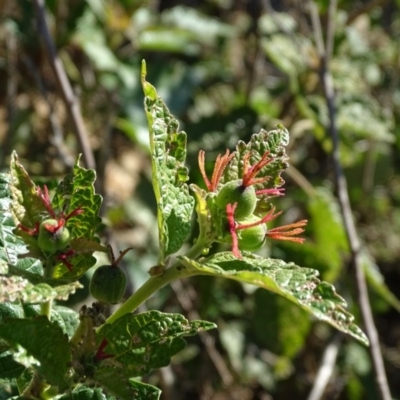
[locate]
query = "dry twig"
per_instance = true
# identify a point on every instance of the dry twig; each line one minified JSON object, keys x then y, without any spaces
{"x":343,"y":197}
{"x":68,"y":95}
{"x":206,"y":338}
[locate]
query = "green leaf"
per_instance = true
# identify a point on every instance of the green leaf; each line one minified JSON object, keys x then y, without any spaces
{"x":12,"y":246}
{"x":273,"y":142}
{"x":11,"y":310}
{"x":136,"y":344}
{"x":376,"y":281}
{"x":27,"y":206}
{"x":14,"y":288}
{"x":76,"y":191}
{"x":69,"y":317}
{"x":324,"y":212}
{"x":284,"y":53}
{"x":66,"y":318}
{"x":86,"y":393}
{"x":168,"y":149}
{"x":207,"y":233}
{"x":142,"y":342}
{"x":297,"y":284}
{"x":114,"y":381}
{"x":9,"y":368}
{"x":24,"y":380}
{"x":278,"y":324}
{"x":43,"y":340}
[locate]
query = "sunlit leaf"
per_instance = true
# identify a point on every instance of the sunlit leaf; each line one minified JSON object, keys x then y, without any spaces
{"x":136,"y":344}
{"x":168,"y":149}
{"x":297,"y":284}
{"x":42,"y":340}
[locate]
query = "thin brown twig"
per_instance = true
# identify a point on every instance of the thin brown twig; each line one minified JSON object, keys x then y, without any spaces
{"x":326,"y":369}
{"x":11,"y":88}
{"x":67,"y":93}
{"x":58,"y":137}
{"x":206,"y":338}
{"x":344,"y":202}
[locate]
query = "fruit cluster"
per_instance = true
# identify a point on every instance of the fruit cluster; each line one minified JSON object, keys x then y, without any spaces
{"x":53,"y":236}
{"x":235,"y":202}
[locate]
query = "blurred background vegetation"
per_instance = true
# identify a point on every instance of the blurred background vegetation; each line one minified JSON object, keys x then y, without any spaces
{"x":226,"y":69}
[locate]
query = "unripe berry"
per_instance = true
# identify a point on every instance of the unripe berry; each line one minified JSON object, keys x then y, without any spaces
{"x":108,"y":284}
{"x":53,"y":237}
{"x":253,"y":238}
{"x":234,"y":192}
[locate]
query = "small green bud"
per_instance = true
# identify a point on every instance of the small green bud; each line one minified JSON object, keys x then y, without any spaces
{"x":234,"y":192}
{"x":53,"y":237}
{"x":253,"y":238}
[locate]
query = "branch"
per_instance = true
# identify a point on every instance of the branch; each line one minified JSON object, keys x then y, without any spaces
{"x":344,"y":202}
{"x":326,"y":368}
{"x":208,"y":341}
{"x":57,"y":140}
{"x":67,"y":93}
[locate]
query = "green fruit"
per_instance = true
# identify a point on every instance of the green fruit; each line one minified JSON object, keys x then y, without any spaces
{"x":108,"y":284}
{"x":234,"y":192}
{"x":53,"y":237}
{"x":253,"y":238}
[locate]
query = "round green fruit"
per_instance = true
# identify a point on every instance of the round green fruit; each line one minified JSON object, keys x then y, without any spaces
{"x":253,"y":238}
{"x":108,"y":284}
{"x":234,"y":192}
{"x":52,"y":237}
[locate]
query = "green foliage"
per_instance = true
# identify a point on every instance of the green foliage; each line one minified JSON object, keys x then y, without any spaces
{"x":168,"y":150}
{"x":43,"y":340}
{"x":274,"y":143}
{"x":139,"y":343}
{"x":297,"y":284}
{"x":225,"y":72}
{"x":73,"y":193}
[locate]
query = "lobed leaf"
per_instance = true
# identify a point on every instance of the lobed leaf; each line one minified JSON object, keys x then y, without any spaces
{"x":9,"y":368}
{"x":69,"y":318}
{"x":14,"y":288}
{"x":43,"y":340}
{"x":76,"y":191}
{"x":115,"y":382}
{"x":142,"y":342}
{"x":11,"y":245}
{"x":273,"y":142}
{"x":139,"y":343}
{"x":168,"y":153}
{"x":27,"y":206}
{"x":85,"y":393}
{"x":297,"y":284}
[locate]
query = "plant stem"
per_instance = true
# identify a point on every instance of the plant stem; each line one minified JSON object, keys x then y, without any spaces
{"x":45,"y":308}
{"x":153,"y":284}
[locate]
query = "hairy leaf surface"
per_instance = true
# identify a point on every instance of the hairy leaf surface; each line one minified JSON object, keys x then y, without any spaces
{"x":297,"y":284}
{"x":168,"y":154}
